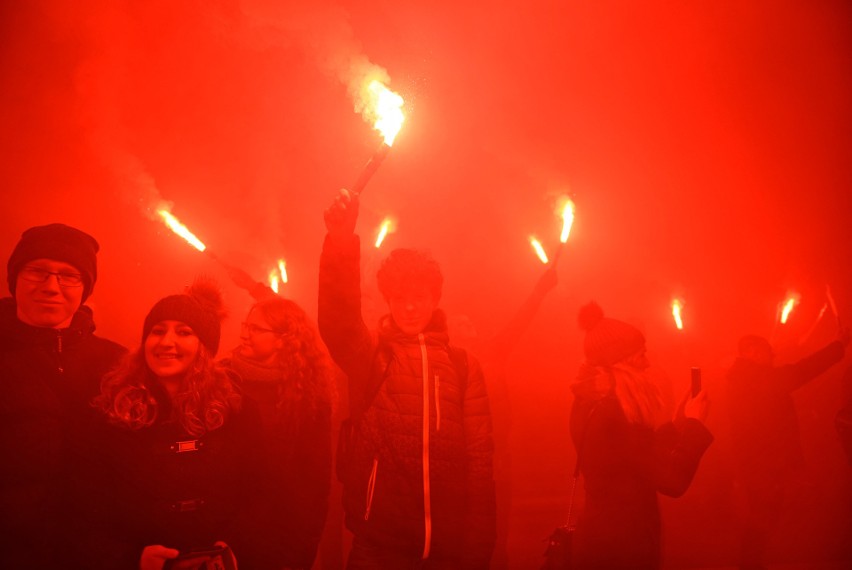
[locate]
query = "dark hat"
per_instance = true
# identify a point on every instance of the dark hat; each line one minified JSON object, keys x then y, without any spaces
{"x":200,"y":307}
{"x":60,"y":243}
{"x":607,"y":341}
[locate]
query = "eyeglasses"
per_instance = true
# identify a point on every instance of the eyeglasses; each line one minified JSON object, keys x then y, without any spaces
{"x":39,"y":275}
{"x":253,"y":329}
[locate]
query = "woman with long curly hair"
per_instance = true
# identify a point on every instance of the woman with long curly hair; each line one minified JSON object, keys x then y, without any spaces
{"x":283,"y":365}
{"x":626,"y":454}
{"x":172,"y":466}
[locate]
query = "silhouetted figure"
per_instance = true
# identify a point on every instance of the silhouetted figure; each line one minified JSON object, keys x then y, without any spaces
{"x":624,"y":460}
{"x":417,"y":471}
{"x":765,"y":431}
{"x":176,"y":454}
{"x":494,"y":354}
{"x":283,"y":366}
{"x":51,"y":364}
{"x":843,"y":420}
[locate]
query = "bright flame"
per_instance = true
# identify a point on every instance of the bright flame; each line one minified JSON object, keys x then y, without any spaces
{"x":387,"y":110}
{"x":788,"y":306}
{"x":567,"y":219}
{"x":539,"y":250}
{"x":174,"y":224}
{"x":386,"y":228}
{"x":273,"y":280}
{"x":677,"y":307}
{"x":282,"y":269}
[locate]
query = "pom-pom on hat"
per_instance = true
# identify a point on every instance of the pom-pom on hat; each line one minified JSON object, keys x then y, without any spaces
{"x":201,"y":307}
{"x":608,"y":341}
{"x":59,"y":243}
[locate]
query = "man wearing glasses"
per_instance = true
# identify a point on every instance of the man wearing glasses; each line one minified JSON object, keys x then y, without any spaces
{"x":51,"y":364}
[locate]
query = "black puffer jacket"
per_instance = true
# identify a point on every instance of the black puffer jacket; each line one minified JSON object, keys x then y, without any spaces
{"x":421,"y":454}
{"x":47,"y":379}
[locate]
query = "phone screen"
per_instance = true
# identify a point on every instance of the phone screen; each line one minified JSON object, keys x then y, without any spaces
{"x":696,"y":381}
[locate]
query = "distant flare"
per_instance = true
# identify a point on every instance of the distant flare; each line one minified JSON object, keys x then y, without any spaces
{"x":174,"y":224}
{"x":788,"y":306}
{"x":278,"y":276}
{"x":384,"y":230}
{"x":274,"y":280}
{"x":567,"y":212}
{"x":677,"y":310}
{"x":539,"y":250}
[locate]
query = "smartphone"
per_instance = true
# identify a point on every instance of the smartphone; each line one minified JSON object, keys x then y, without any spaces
{"x":696,"y":381}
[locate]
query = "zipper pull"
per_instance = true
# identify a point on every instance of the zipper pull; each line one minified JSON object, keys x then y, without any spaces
{"x":59,"y":351}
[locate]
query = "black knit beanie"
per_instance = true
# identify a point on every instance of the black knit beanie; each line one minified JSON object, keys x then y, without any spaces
{"x":200,"y":308}
{"x":608,"y":341}
{"x":59,"y":243}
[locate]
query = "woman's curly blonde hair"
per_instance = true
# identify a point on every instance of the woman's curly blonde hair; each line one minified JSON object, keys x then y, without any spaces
{"x":205,"y":400}
{"x":303,"y":359}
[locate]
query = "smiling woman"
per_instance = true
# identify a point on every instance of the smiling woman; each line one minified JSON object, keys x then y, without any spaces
{"x":171,"y":457}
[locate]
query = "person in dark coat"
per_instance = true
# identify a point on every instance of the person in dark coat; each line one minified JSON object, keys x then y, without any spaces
{"x":843,"y":419}
{"x":417,"y":475}
{"x":626,"y":456}
{"x":283,"y":365}
{"x":175,"y":453}
{"x":51,"y":363}
{"x":765,"y":429}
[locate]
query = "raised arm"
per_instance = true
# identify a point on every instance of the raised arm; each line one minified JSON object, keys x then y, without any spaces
{"x":341,"y":325}
{"x":800,"y":373}
{"x":507,"y":338}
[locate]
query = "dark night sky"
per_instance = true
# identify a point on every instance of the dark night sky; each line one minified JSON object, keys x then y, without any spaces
{"x":706,"y":145}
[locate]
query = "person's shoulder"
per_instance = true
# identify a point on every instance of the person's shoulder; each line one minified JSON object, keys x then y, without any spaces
{"x":106,"y":348}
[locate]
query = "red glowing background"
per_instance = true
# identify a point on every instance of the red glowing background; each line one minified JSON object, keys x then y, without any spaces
{"x":705,"y":144}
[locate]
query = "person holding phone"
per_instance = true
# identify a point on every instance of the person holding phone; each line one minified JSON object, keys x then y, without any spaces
{"x":625,"y":454}
{"x":174,"y":455}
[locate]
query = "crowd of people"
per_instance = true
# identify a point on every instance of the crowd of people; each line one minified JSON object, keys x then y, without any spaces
{"x":171,"y":455}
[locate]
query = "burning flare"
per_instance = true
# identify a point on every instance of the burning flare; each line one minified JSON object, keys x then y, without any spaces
{"x":174,"y":224}
{"x":788,"y":306}
{"x":386,"y":109}
{"x":567,"y":219}
{"x":386,"y":228}
{"x":677,"y":308}
{"x":539,"y":250}
{"x":278,"y":276}
{"x":273,"y":280}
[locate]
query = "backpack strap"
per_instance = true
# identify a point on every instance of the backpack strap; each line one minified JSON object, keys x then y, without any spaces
{"x":458,"y":358}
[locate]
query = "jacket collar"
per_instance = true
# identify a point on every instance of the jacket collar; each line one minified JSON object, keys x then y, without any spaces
{"x":435,"y":331}
{"x":14,"y":332}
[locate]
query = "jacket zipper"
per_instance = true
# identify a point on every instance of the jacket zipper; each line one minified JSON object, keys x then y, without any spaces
{"x":437,"y":403}
{"x":371,"y":487}
{"x":59,"y":353}
{"x":427,"y":499}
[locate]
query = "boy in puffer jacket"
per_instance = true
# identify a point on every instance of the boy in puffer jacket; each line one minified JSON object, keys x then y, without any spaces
{"x":417,"y":465}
